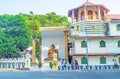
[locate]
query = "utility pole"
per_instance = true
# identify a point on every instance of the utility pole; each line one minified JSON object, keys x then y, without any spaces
{"x":87,"y":48}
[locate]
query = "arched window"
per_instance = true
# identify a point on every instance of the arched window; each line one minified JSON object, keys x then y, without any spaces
{"x":83,"y":60}
{"x":118,"y":27}
{"x":78,"y":28}
{"x":82,"y":15}
{"x":83,"y":44}
{"x":102,"y":60}
{"x":96,"y":15}
{"x":119,"y":43}
{"x":90,"y":15}
{"x":102,"y":44}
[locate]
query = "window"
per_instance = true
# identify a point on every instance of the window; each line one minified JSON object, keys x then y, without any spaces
{"x":83,"y":60}
{"x":102,"y":44}
{"x":90,"y":15}
{"x":78,"y":28}
{"x":102,"y":60}
{"x":82,"y":15}
{"x":83,"y":44}
{"x":119,"y":43}
{"x":118,"y":27}
{"x":96,"y":15}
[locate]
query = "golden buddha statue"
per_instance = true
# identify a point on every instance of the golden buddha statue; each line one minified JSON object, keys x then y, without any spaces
{"x":51,"y":52}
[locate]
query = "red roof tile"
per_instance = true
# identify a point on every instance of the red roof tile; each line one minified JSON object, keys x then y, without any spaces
{"x":114,"y":16}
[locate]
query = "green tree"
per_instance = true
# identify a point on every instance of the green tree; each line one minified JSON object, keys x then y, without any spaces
{"x":17,"y":34}
{"x":7,"y":45}
{"x":50,"y":19}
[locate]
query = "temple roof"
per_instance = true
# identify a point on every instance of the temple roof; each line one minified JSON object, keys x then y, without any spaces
{"x":114,"y":16}
{"x":88,"y":4}
{"x":55,"y":28}
{"x":53,"y":31}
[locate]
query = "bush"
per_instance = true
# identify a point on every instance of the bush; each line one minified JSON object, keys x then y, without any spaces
{"x":50,"y":64}
{"x":39,"y":64}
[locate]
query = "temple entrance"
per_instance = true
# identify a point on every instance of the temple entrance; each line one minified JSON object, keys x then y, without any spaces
{"x":56,"y":36}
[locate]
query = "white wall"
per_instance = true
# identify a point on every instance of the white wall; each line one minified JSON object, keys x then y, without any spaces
{"x":95,"y":60}
{"x":94,"y":46}
{"x":113,"y":29}
{"x":58,"y":41}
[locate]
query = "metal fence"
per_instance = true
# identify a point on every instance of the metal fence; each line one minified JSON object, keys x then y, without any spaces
{"x":90,"y":67}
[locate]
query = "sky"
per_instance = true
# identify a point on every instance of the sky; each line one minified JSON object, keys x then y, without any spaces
{"x":61,"y":7}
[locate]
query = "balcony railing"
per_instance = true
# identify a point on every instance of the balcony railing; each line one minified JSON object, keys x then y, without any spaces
{"x":94,"y":27}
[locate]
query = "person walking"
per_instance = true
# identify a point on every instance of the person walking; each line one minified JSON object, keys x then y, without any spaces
{"x":115,"y":64}
{"x":72,"y":64}
{"x":76,"y":64}
{"x":64,"y":64}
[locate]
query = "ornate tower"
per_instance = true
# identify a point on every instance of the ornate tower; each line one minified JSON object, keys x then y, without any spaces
{"x":88,"y":18}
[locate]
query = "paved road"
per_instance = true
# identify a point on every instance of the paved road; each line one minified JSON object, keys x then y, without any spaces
{"x":61,"y":75}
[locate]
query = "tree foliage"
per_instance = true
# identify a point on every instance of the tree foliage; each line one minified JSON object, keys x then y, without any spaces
{"x":50,"y":19}
{"x":15,"y":35}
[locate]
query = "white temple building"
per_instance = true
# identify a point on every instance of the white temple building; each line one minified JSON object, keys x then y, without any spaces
{"x":95,"y":35}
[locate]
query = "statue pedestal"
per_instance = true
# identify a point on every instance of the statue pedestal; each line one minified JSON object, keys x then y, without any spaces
{"x":45,"y":65}
{"x":55,"y":62}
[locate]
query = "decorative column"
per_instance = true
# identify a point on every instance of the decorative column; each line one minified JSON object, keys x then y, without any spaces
{"x":99,"y":13}
{"x":94,"y":15}
{"x":104,"y":13}
{"x":33,"y":52}
{"x":85,"y":13}
{"x":6,"y":65}
{"x":79,"y":15}
{"x":66,"y":44}
{"x":73,"y":16}
{"x":40,"y":50}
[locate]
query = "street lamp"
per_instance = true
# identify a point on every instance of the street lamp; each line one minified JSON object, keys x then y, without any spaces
{"x":86,"y":47}
{"x":86,"y":40}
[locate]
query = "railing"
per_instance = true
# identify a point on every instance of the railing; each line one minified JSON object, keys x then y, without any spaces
{"x":95,"y":27}
{"x":90,"y":67}
{"x":14,"y":63}
{"x":89,"y":21}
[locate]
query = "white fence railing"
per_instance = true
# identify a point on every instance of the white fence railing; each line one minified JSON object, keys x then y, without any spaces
{"x":14,"y":63}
